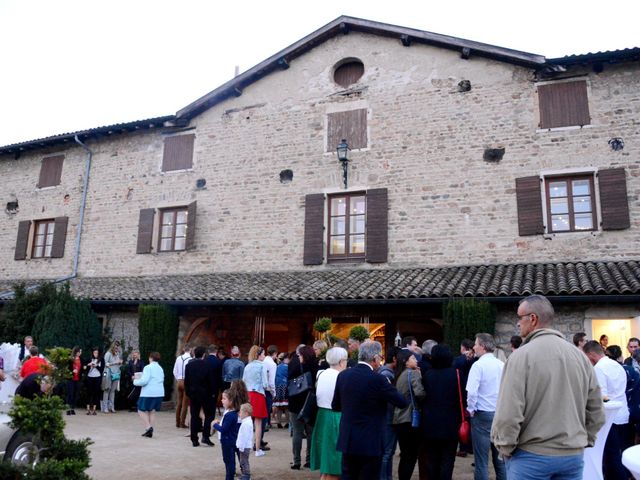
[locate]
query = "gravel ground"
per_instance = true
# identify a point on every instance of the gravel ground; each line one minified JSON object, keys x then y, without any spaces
{"x":120,"y":453}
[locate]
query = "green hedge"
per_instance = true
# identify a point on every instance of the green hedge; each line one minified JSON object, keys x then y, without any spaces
{"x":464,"y":317}
{"x":158,"y":332}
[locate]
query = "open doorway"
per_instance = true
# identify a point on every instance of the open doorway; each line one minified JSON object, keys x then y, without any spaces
{"x":618,"y":330}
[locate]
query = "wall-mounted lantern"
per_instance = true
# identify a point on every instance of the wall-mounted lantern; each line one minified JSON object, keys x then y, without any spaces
{"x":343,"y":157}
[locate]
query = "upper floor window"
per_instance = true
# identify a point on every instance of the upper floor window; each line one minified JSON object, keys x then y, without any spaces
{"x":50,"y":171}
{"x":348,"y":72}
{"x":350,"y":125}
{"x":173,"y":230}
{"x":570,"y":204}
{"x":178,"y":153}
{"x":43,"y":238}
{"x":563,"y":104}
{"x":347,"y":227}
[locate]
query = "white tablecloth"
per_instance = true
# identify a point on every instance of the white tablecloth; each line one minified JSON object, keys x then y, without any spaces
{"x":631,"y":460}
{"x":593,"y":455}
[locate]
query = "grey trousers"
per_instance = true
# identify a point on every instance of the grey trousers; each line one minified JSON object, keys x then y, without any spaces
{"x":299,"y":429}
{"x":245,"y":468}
{"x":109,"y":396}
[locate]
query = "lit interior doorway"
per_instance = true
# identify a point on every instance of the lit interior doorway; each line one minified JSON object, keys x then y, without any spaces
{"x":618,"y":330}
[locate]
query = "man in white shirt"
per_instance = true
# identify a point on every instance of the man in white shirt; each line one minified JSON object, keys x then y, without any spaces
{"x":483,"y":386}
{"x":182,"y":401}
{"x":613,"y":382}
{"x":270,"y":391}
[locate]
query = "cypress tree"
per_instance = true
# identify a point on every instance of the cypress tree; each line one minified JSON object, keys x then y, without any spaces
{"x":158,"y":332}
{"x":464,"y":317}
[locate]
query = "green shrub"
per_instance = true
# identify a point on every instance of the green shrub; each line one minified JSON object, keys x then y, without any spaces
{"x":464,"y":317}
{"x":158,"y":332}
{"x":359,"y":333}
{"x":67,"y":321}
{"x":19,"y":313}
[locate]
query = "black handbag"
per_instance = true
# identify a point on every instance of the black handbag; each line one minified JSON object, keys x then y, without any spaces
{"x":300,"y":384}
{"x":309,"y":410}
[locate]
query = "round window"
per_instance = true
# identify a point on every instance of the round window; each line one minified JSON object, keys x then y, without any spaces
{"x":348,"y":73}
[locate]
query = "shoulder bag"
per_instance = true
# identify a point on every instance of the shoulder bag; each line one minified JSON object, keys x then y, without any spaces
{"x":415,"y":413}
{"x":464,"y":432}
{"x":309,"y":410}
{"x":301,"y":384}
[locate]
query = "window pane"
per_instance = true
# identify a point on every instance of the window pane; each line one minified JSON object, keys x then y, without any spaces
{"x":358,"y":205}
{"x":582,"y":204}
{"x":165,"y":245}
{"x":357,"y":244}
{"x":39,"y":240}
{"x":584,"y":221}
{"x":581,"y":187}
{"x":167,"y":218}
{"x":49,"y":239}
{"x":180,"y":243}
{"x":167,"y":231}
{"x":557,"y":189}
{"x":560,"y":223}
{"x":357,"y":224}
{"x":42,"y":227}
{"x":559,"y":205}
{"x":47,"y":251}
{"x":181,"y":230}
{"x":337,"y":246}
{"x":37,"y":253}
{"x":338,"y":206}
{"x":181,"y":216}
{"x":337,"y":225}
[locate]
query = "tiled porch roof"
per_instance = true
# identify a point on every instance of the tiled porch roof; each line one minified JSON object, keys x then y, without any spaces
{"x":515,"y":280}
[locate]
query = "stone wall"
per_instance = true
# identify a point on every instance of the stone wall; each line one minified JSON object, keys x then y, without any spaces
{"x":426,"y":141}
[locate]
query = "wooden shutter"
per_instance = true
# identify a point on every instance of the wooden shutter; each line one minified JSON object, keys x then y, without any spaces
{"x":348,"y":73}
{"x":23,"y":240}
{"x":191,"y":226}
{"x":377,"y":225}
{"x":613,"y":199}
{"x":50,"y":171}
{"x":350,"y":125}
{"x":529,"y":199}
{"x":564,"y":104}
{"x":178,"y":153}
{"x":59,"y":237}
{"x":313,"y":229}
{"x":145,"y":230}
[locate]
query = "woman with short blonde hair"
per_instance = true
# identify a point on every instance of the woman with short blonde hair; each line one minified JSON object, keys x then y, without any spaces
{"x":255,"y":378}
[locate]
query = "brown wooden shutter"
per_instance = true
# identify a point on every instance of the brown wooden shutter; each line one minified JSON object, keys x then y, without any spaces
{"x":350,"y":125}
{"x":50,"y":171}
{"x":564,"y":104}
{"x":313,"y":229}
{"x":59,"y":237}
{"x":23,"y":240}
{"x":348,"y":73}
{"x":145,"y":230}
{"x":613,"y":199}
{"x":178,"y":153}
{"x":191,"y":226}
{"x":377,"y":225}
{"x":529,"y":199}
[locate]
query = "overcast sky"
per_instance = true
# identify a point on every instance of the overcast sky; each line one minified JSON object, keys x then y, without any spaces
{"x":71,"y":65}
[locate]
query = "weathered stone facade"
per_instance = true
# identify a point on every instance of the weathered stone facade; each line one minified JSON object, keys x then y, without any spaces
{"x":426,"y":141}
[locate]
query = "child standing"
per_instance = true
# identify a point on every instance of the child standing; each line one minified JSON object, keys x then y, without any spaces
{"x":245,"y":440}
{"x":228,"y":433}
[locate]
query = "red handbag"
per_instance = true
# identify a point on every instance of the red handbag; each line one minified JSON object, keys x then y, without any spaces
{"x":464,"y":432}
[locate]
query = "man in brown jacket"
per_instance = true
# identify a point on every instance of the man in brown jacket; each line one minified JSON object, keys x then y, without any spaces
{"x":549,"y":406}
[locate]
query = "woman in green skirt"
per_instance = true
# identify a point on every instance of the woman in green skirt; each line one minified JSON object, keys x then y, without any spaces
{"x":324,"y":456}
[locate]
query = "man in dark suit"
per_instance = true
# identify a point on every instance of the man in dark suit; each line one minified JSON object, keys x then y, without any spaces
{"x":198,"y":386}
{"x":362,"y":396}
{"x":216,"y":366}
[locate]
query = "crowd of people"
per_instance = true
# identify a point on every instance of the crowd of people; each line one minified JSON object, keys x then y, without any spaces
{"x":351,"y":406}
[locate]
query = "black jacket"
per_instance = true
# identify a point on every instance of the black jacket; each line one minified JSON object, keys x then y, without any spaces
{"x":295,"y":370}
{"x":362,"y":396}
{"x":198,"y":379}
{"x":216,"y":369}
{"x":441,"y":406}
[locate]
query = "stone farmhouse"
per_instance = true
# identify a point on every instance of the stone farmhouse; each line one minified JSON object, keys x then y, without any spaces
{"x":472,"y":171}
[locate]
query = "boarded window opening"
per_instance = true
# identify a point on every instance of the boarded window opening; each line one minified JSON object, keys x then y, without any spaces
{"x":350,"y":125}
{"x":563,"y":104}
{"x":348,"y":73}
{"x":50,"y":171}
{"x":178,"y":153}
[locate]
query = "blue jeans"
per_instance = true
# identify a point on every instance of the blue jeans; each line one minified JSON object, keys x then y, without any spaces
{"x":389,"y":443}
{"x":229,"y":458}
{"x":480,"y":432}
{"x":525,"y":465}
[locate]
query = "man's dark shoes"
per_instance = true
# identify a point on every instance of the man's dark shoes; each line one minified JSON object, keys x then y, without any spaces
{"x":295,"y":467}
{"x":307,"y":465}
{"x":148,"y":432}
{"x":195,"y":443}
{"x":206,"y":441}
